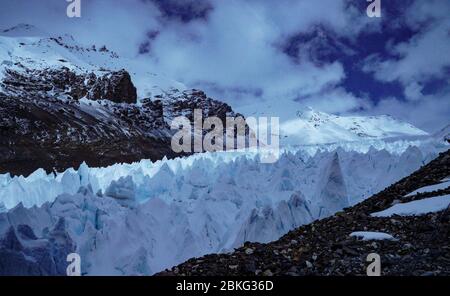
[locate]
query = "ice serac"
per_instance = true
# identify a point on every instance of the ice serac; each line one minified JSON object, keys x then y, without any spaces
{"x":269,"y":223}
{"x":23,"y":253}
{"x":123,"y":190}
{"x":333,"y":195}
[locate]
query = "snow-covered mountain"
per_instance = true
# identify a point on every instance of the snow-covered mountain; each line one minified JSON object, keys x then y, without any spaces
{"x":314,"y":127}
{"x":28,"y":46}
{"x":443,"y":134}
{"x":62,"y":104}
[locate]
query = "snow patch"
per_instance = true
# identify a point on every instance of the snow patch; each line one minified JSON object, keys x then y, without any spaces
{"x":417,"y":207}
{"x":372,"y":235}
{"x":431,"y":188}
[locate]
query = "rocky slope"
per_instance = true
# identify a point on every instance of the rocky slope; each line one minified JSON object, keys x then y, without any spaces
{"x":421,"y":244}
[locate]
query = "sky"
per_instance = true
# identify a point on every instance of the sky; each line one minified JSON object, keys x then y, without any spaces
{"x":327,"y":54}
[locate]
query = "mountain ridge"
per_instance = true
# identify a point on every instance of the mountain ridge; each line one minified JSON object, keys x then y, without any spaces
{"x":313,"y":127}
{"x":63,"y":104}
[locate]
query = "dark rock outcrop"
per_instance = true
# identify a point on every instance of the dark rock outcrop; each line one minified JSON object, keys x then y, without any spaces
{"x":115,"y":86}
{"x":44,"y":124}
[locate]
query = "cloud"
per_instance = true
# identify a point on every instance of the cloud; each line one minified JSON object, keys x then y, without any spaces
{"x":183,"y":10}
{"x":336,"y":100}
{"x":227,"y":47}
{"x":236,"y":50}
{"x":121,"y":25}
{"x":430,"y":114}
{"x":422,"y":13}
{"x":422,"y":57}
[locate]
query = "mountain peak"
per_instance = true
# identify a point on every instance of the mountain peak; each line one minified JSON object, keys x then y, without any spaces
{"x":315,"y":127}
{"x":309,"y":113}
{"x":443,"y":133}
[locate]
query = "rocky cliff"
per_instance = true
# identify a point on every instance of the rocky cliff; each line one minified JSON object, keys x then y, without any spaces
{"x":56,"y":119}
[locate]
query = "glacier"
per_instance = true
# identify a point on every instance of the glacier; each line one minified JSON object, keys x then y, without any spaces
{"x":143,"y":217}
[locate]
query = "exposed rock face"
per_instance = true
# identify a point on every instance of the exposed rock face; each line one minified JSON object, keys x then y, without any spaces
{"x":62,"y":103}
{"x":44,"y":124}
{"x":183,"y":103}
{"x":115,"y":86}
{"x":325,"y":247}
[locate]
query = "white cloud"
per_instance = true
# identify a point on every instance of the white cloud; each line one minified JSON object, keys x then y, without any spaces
{"x":234,"y":53}
{"x":422,"y":58}
{"x":429,"y":114}
{"x":237,"y":49}
{"x":334,"y":100}
{"x":121,"y":25}
{"x":413,"y":91}
{"x":425,"y":55}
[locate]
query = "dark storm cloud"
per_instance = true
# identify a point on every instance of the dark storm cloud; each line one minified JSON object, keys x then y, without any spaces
{"x":184,"y":10}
